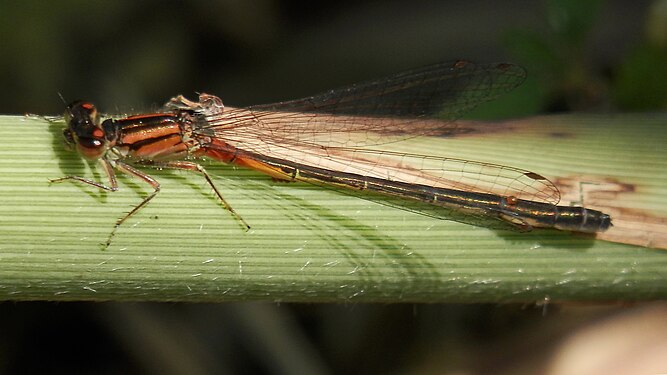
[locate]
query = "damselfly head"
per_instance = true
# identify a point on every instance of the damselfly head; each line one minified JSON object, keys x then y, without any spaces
{"x":84,"y":131}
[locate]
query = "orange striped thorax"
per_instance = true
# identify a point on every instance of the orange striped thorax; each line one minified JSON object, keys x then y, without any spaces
{"x":156,"y":137}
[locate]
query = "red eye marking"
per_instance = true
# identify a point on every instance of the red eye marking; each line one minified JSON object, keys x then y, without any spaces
{"x":98,"y":133}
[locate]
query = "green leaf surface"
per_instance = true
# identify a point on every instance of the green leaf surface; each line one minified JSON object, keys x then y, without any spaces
{"x":317,"y":245}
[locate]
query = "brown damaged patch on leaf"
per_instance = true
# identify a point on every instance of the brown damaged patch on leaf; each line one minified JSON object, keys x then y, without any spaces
{"x":631,"y":225}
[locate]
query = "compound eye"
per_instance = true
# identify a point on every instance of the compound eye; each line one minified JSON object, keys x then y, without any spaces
{"x":92,"y":112}
{"x":90,"y":143}
{"x":84,"y":130}
{"x":90,"y":148}
{"x":82,"y":113}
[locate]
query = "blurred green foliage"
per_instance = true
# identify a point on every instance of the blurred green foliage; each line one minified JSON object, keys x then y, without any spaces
{"x":564,"y":76}
{"x":641,"y":80}
{"x":131,"y":56}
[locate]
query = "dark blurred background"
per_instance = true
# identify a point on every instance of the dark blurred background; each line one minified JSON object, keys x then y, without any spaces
{"x":131,"y":56}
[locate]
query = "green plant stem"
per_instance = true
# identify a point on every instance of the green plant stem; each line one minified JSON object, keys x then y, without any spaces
{"x":308,"y":243}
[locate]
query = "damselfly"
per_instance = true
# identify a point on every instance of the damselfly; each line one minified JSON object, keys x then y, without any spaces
{"x":324,"y":140}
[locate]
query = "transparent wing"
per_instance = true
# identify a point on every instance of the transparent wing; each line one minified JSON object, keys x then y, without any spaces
{"x":432,"y":171}
{"x":449,"y":173}
{"x":417,"y":102}
{"x":442,"y":91}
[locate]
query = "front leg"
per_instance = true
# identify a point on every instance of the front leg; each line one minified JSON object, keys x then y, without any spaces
{"x":108,"y":169}
{"x":109,"y":166}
